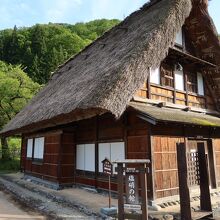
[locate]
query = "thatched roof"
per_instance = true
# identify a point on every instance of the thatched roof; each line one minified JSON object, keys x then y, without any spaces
{"x":156,"y":114}
{"x":106,"y":74}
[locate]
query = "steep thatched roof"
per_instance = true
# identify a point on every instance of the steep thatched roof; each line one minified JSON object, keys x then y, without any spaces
{"x":106,"y":74}
{"x":204,"y":36}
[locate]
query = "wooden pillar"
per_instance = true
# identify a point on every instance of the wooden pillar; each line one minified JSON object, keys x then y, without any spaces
{"x":205,"y":199}
{"x":212,"y":163}
{"x":96,"y":151}
{"x":185,"y":207}
{"x":22,"y":153}
{"x":143,"y":178}
{"x":59,"y":162}
{"x":120,"y":192}
{"x":148,"y":88}
{"x":152,"y":166}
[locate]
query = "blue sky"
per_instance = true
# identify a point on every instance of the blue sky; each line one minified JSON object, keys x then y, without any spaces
{"x":30,"y":12}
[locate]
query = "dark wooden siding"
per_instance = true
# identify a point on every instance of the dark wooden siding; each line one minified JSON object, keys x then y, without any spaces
{"x":67,"y":158}
{"x":48,"y":167}
{"x":216,"y":145}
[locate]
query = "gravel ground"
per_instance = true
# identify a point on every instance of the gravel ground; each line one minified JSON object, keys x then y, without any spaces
{"x":46,"y":206}
{"x":11,"y":209}
{"x":78,"y":203}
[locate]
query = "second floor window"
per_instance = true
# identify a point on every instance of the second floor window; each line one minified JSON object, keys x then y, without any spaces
{"x":179,"y":38}
{"x":173,"y":76}
{"x":155,"y":75}
{"x":200,"y":80}
{"x":179,"y":77}
{"x":167,"y":78}
{"x":192,"y":82}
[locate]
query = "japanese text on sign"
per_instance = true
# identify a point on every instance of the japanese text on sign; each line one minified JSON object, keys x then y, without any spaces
{"x":107,"y":167}
{"x":132,"y":189}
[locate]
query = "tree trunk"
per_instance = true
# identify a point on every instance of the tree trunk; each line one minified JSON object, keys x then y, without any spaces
{"x":5,"y":149}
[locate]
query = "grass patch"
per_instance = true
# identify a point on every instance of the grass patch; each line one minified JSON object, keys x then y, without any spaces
{"x":7,"y":166}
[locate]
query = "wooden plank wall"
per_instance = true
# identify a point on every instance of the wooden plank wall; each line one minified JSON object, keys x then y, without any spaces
{"x":48,"y":168}
{"x":167,"y":95}
{"x":216,"y":145}
{"x":165,"y":165}
{"x":67,"y":158}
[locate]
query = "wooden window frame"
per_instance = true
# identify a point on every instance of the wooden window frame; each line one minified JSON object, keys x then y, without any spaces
{"x":190,"y":83}
{"x":163,"y":78}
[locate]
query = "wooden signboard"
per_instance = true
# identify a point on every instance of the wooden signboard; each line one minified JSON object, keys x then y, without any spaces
{"x":108,"y":170}
{"x":107,"y":167}
{"x":132,"y":174}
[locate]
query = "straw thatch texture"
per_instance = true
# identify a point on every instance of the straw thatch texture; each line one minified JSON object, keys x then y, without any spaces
{"x":203,"y":34}
{"x":105,"y":75}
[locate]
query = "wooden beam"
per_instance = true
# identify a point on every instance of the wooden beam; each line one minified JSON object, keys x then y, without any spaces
{"x":186,"y":88}
{"x":185,"y":207}
{"x":96,"y":150}
{"x":191,"y":57}
{"x":152,"y":165}
{"x":205,"y":198}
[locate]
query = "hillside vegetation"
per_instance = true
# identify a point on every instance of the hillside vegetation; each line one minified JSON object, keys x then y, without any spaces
{"x":41,"y":48}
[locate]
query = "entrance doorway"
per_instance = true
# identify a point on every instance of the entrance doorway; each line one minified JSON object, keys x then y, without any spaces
{"x":193,"y":165}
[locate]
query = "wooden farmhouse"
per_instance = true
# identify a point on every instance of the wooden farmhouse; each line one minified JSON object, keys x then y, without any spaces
{"x":147,"y":84}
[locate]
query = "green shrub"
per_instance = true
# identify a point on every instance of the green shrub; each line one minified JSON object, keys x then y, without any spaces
{"x":9,"y":165}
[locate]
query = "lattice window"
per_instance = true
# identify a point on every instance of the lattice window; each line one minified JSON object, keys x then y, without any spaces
{"x":192,"y":82}
{"x":167,"y":78}
{"x":193,"y":168}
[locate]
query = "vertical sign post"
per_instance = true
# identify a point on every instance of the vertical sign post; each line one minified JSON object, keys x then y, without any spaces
{"x":132,"y":174}
{"x":107,"y":169}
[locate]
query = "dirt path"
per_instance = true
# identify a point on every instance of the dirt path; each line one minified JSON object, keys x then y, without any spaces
{"x":10,"y":209}
{"x":35,"y":201}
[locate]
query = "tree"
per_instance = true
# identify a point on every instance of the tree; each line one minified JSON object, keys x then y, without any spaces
{"x":16,"y":89}
{"x":42,"y":48}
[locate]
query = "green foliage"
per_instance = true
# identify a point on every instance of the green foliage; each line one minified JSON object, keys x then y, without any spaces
{"x":9,"y":165}
{"x":13,"y":150}
{"x":16,"y":89}
{"x":42,"y":48}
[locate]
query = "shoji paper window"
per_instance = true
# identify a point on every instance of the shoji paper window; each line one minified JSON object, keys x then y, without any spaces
{"x":200,"y":84}
{"x":179,"y":80}
{"x":29,"y":148}
{"x":155,"y":76}
{"x":179,"y":38}
{"x":113,"y":151}
{"x":39,"y":148}
{"x":85,"y":157}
